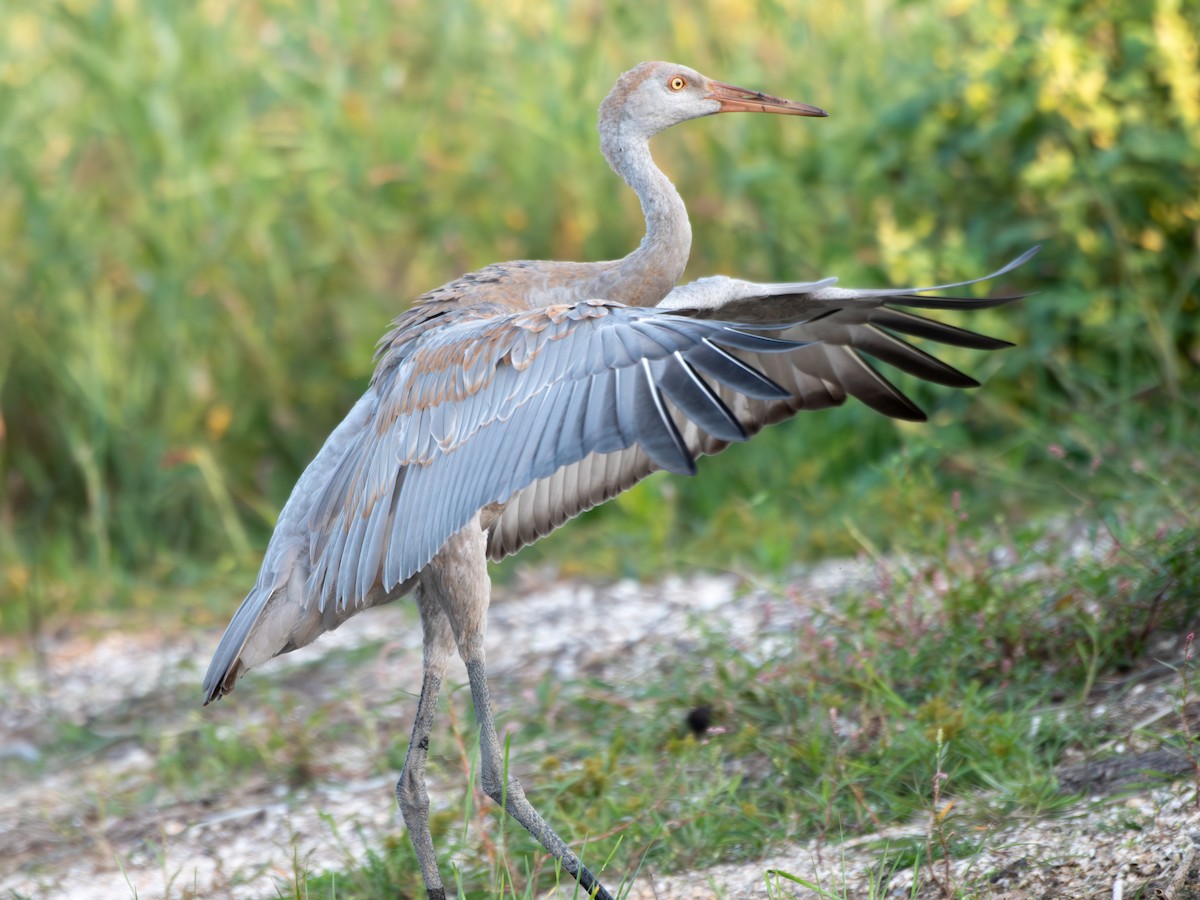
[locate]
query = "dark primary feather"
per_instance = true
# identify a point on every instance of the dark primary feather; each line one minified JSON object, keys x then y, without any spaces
{"x":915,"y":326}
{"x":855,"y":322}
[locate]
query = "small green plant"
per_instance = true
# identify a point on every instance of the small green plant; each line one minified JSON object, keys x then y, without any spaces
{"x":1191,"y":742}
{"x":885,"y":869}
{"x":938,"y":825}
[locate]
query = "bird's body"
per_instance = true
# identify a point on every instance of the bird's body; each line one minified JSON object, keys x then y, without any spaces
{"x":513,"y":398}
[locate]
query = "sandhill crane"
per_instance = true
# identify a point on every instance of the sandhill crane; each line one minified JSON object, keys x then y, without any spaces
{"x":517,"y":396}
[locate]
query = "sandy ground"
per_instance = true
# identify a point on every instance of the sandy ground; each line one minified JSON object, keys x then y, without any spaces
{"x":62,"y":837}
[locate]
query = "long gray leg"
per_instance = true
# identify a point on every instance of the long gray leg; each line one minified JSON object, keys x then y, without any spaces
{"x":512,"y":796}
{"x":410,"y":789}
{"x":457,"y":577}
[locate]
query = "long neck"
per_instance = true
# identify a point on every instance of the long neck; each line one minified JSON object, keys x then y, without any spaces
{"x":649,"y":273}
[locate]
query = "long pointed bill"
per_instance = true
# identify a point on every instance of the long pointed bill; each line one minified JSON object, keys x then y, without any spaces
{"x":736,"y":99}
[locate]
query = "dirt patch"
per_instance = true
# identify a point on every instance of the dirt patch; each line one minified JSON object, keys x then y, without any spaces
{"x":85,"y":723}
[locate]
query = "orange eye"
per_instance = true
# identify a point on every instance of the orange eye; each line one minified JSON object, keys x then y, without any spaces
{"x":678,"y":83}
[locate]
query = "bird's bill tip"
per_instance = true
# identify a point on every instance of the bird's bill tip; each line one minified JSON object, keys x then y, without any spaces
{"x":736,"y":99}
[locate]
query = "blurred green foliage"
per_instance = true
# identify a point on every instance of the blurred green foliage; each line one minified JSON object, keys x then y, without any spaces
{"x":209,"y":211}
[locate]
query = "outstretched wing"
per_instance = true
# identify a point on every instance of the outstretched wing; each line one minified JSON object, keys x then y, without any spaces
{"x":479,"y":408}
{"x":835,"y":327}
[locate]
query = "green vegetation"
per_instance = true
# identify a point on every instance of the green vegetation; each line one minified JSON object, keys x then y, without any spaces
{"x":209,"y":212}
{"x":835,"y":729}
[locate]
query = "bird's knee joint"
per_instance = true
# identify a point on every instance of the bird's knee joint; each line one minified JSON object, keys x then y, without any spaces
{"x":411,"y":796}
{"x":493,"y":785}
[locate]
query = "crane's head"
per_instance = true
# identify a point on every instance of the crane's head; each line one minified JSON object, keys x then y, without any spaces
{"x":656,"y":95}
